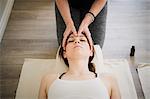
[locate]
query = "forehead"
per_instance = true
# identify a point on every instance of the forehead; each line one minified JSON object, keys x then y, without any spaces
{"x":72,"y":35}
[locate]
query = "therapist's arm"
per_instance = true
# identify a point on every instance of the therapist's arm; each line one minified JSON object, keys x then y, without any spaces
{"x":96,"y":7}
{"x":64,"y":9}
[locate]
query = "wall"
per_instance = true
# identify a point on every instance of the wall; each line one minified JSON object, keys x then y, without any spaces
{"x":5,"y":10}
{"x":2,"y":7}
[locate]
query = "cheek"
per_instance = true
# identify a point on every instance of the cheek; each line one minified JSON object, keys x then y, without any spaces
{"x":88,"y":46}
{"x":68,"y":46}
{"x":89,"y":49}
{"x":68,"y":49}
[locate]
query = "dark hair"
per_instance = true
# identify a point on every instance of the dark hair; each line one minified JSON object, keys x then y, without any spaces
{"x":91,"y":66}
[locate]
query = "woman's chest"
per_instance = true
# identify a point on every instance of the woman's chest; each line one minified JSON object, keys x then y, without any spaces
{"x":85,"y":90}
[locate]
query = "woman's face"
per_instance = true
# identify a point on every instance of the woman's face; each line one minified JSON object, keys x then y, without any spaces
{"x":77,"y":46}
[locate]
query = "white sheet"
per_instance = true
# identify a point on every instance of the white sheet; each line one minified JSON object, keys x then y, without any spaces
{"x":33,"y":69}
{"x":144,"y":75}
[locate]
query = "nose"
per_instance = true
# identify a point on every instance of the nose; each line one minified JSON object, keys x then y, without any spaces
{"x":76,"y":41}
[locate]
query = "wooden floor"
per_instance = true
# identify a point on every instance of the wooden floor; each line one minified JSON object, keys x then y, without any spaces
{"x":31,"y":33}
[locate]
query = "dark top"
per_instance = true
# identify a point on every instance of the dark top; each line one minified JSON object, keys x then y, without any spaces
{"x":65,"y":73}
{"x":81,"y":4}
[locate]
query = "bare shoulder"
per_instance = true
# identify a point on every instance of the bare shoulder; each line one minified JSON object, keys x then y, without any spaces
{"x":49,"y":77}
{"x":108,"y":77}
{"x":111,"y":82}
{"x":47,"y":80}
{"x":108,"y":80}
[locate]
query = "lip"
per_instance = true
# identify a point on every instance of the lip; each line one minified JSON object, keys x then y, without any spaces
{"x":78,"y":46}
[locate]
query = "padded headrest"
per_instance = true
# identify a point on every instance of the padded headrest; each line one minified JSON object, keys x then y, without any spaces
{"x":97,"y":60}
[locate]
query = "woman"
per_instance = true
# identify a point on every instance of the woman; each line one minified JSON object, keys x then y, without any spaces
{"x":77,"y":16}
{"x":80,"y":81}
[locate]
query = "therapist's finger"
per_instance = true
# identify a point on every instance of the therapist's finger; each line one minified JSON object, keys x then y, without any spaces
{"x":88,"y":34}
{"x":80,"y":30}
{"x":66,"y":34}
{"x":74,"y":32}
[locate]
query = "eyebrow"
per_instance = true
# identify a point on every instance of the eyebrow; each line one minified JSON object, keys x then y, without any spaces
{"x":71,"y":36}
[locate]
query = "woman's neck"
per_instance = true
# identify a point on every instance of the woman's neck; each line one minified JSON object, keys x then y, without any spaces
{"x":78,"y":67}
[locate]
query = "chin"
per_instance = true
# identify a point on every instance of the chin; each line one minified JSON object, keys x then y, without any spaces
{"x":80,"y":54}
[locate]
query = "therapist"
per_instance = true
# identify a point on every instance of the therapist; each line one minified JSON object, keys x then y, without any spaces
{"x":77,"y":16}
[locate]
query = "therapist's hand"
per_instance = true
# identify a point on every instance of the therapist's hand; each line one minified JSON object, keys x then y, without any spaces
{"x":70,"y":28}
{"x":84,"y":29}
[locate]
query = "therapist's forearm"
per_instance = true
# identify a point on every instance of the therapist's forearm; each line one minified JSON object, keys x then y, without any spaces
{"x":97,"y":6}
{"x":64,"y":10}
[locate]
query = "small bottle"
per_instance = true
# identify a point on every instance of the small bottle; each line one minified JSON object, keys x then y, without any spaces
{"x":132,"y":51}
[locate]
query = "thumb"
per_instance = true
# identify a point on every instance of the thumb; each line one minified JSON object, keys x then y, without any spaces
{"x":80,"y":31}
{"x":88,"y":34}
{"x":66,"y":33}
{"x":74,"y":31}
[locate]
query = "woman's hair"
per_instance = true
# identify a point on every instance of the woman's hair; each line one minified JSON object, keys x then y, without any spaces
{"x":91,"y":66}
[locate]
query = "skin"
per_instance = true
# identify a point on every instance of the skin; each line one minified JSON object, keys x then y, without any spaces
{"x":77,"y":51}
{"x":64,"y":9}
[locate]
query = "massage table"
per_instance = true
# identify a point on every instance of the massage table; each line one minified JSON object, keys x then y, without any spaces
{"x":33,"y":70}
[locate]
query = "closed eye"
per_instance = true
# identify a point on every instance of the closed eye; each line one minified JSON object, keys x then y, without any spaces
{"x":83,"y":40}
{"x":69,"y":41}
